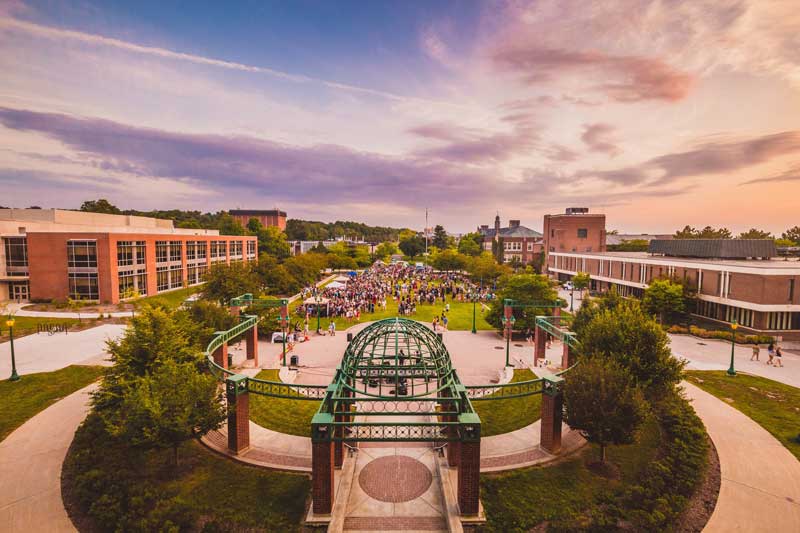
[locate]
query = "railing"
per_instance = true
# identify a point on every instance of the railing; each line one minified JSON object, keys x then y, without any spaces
{"x":552,"y":325}
{"x":279,"y":389}
{"x":504,"y":391}
{"x":220,"y":338}
{"x":396,"y":431}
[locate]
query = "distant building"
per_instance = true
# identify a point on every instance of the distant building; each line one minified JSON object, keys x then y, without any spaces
{"x":517,"y":240}
{"x":575,"y":231}
{"x":269,"y":217}
{"x":301,"y":247}
{"x":615,"y":239}
{"x":53,"y":254}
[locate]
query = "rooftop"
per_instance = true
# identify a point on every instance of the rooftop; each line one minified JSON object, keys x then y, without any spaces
{"x":772,"y":263}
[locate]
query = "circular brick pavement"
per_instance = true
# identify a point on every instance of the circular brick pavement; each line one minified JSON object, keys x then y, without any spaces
{"x":394,"y":479}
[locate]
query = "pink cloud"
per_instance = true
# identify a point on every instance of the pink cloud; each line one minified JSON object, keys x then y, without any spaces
{"x":598,"y":138}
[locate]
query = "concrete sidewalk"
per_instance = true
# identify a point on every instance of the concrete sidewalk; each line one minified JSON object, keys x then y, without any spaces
{"x":30,"y":467}
{"x":760,"y":489}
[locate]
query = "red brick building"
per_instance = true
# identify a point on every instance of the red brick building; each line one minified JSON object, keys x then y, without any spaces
{"x":575,"y":231}
{"x":57,"y":255}
{"x":269,"y":217}
{"x":517,"y":241}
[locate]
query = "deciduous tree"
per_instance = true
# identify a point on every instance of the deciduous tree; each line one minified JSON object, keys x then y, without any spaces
{"x":664,"y":298}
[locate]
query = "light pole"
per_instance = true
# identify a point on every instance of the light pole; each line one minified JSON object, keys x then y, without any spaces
{"x":508,"y":324}
{"x":474,"y":303}
{"x":571,"y":293}
{"x":14,"y":375}
{"x":734,"y":325}
{"x":318,"y":300}
{"x":284,"y":320}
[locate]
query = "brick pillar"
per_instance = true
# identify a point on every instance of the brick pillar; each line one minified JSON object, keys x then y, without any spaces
{"x":338,"y":432}
{"x":235,"y":311}
{"x":221,"y":355}
{"x":565,"y":354}
{"x":552,"y":410}
{"x":557,"y":315}
{"x":469,"y":465}
{"x":251,"y":339}
{"x":539,"y":345}
{"x":238,"y":413}
{"x":322,"y":464}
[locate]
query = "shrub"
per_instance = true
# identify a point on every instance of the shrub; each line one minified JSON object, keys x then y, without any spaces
{"x":741,"y":338}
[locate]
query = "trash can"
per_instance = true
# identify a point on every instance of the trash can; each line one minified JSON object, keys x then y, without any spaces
{"x":294,"y":360}
{"x":349,"y":337}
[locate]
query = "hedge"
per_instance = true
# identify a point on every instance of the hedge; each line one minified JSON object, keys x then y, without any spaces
{"x":741,"y":338}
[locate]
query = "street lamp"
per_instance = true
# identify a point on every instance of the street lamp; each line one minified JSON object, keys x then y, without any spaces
{"x":571,"y":293}
{"x":284,"y":321}
{"x":318,"y":300}
{"x":14,"y":375}
{"x":734,"y":325}
{"x":508,"y":324}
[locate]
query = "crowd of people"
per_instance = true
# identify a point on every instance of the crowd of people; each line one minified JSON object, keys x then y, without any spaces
{"x":407,"y":285}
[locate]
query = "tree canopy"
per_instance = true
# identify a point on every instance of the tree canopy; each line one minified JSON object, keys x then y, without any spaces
{"x":688,"y":232}
{"x":524,"y":289}
{"x":664,"y":298}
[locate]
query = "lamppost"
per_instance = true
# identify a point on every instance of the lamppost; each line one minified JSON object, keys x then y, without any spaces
{"x":284,"y":322}
{"x":571,"y":294}
{"x":474,"y":303}
{"x":734,"y":325}
{"x":318,"y":300}
{"x":508,"y":324}
{"x":14,"y":375}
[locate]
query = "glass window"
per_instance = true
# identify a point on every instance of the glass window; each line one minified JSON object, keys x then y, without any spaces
{"x":201,"y":249}
{"x":161,"y":251}
{"x":16,"y":251}
{"x":162,"y":279}
{"x":83,"y":286}
{"x":175,"y":276}
{"x":82,"y":254}
{"x":175,"y":250}
{"x":132,"y":283}
{"x":583,"y":233}
{"x":124,"y":253}
{"x":191,"y":250}
{"x":251,"y":249}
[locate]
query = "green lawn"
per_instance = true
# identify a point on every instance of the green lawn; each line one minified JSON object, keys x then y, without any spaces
{"x":282,"y":414}
{"x":118,"y":488}
{"x":25,"y":325}
{"x":773,"y":405}
{"x":34,"y":392}
{"x":171,"y":299}
{"x":519,"y":500}
{"x":459,"y":317}
{"x":503,"y":416}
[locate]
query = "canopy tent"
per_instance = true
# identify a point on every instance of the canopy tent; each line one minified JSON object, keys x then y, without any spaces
{"x":335,"y":285}
{"x":311,"y":303}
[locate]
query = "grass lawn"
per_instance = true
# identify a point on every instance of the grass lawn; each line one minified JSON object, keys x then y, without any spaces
{"x":773,"y":405}
{"x":110,"y":485}
{"x":34,"y":392}
{"x":503,"y":416}
{"x":25,"y":325}
{"x":459,"y":317}
{"x":292,"y":417}
{"x":519,"y":500}
{"x":171,"y":299}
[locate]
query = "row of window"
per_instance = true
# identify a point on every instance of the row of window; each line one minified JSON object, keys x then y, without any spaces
{"x":130,"y":253}
{"x":16,"y":252}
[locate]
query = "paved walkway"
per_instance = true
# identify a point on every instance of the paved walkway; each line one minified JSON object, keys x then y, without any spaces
{"x":30,"y":467}
{"x":760,"y":489}
{"x":44,"y":353}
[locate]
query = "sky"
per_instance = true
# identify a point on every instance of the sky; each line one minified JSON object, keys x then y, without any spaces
{"x":657,"y":113}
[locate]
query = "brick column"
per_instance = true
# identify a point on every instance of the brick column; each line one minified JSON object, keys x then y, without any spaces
{"x":565,"y":354}
{"x":322,"y":464}
{"x":251,"y":339}
{"x":238,"y":413}
{"x":221,"y":355}
{"x":338,"y":431}
{"x":235,"y":311}
{"x":552,"y":410}
{"x":557,"y":315}
{"x":539,"y":345}
{"x":469,"y":464}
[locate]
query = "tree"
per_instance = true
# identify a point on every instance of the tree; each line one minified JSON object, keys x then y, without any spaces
{"x":100,"y":206}
{"x":386,"y":250}
{"x":224,"y":282}
{"x":633,"y":338}
{"x":228,"y":225}
{"x":468,"y":246}
{"x":448,"y":260}
{"x":580,"y":281}
{"x":688,"y":232}
{"x":524,"y":289}
{"x":784,"y":243}
{"x":273,"y":277}
{"x":591,"y":307}
{"x":485,"y":268}
{"x":440,"y":238}
{"x":413,"y":246}
{"x":171,"y":405}
{"x":318,"y":248}
{"x":754,"y":233}
{"x":210,"y":317}
{"x":305,"y":268}
{"x":633,"y":245}
{"x":792,"y":234}
{"x":664,"y":298}
{"x":272,"y":241}
{"x":603,"y":403}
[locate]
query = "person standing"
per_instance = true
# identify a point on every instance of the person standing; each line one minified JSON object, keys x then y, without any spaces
{"x":778,"y":357}
{"x":756,"y":352}
{"x":770,"y":353}
{"x":332,"y":328}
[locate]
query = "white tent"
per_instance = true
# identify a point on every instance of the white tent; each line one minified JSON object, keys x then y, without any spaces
{"x":335,"y":285}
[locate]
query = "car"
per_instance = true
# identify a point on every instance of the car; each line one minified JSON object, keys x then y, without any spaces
{"x":568,"y":285}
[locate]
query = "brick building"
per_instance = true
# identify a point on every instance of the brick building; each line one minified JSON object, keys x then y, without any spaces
{"x":269,"y":217}
{"x":517,"y":241}
{"x":738,"y":280}
{"x":576,"y":230}
{"x":54,"y":254}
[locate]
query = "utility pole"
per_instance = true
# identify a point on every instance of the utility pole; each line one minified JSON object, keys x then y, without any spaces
{"x":426,"y":231}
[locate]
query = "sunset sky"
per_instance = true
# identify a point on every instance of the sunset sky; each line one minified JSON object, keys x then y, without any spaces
{"x":658,"y":113}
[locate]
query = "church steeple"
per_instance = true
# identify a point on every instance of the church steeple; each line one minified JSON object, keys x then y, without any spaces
{"x":497,"y":225}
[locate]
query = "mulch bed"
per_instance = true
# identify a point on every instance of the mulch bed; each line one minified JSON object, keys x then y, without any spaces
{"x":704,"y":500}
